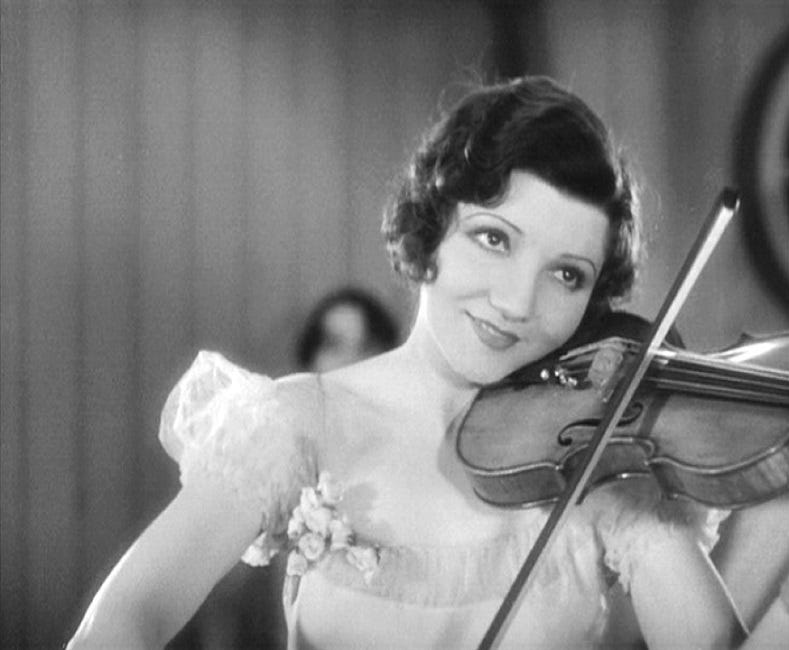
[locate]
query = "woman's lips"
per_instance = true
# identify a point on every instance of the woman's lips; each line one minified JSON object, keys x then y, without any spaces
{"x":491,"y":335}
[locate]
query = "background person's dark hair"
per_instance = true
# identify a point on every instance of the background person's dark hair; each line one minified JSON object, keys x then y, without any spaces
{"x":529,"y":124}
{"x":381,"y":329}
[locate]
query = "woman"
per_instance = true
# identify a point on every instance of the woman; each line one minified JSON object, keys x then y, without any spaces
{"x":518,"y":224}
{"x":345,"y":326}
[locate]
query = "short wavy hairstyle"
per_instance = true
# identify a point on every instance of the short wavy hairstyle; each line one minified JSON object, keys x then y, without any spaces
{"x":529,"y":124}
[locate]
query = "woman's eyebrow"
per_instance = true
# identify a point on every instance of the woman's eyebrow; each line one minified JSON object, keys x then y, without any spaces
{"x":582,"y":258}
{"x":494,"y":215}
{"x":487,"y":213}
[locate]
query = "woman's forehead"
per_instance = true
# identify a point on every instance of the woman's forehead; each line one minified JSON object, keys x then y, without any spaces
{"x":540,"y":211}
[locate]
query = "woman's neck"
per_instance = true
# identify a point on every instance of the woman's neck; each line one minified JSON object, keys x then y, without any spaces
{"x":430,"y":378}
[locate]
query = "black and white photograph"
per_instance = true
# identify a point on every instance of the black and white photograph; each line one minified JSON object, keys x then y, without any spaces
{"x":394,"y":324}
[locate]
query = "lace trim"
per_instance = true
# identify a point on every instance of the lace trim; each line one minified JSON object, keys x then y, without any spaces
{"x":634,"y":519}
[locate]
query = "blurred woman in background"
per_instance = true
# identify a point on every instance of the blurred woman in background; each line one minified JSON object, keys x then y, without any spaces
{"x":346,"y":326}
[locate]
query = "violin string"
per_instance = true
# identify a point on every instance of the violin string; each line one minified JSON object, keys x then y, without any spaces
{"x":732,"y":375}
{"x":725,"y":392}
{"x":751,"y":377}
{"x":677,"y":357}
{"x":710,"y":384}
{"x":745,"y":379}
{"x":727,"y":368}
{"x":711,"y":381}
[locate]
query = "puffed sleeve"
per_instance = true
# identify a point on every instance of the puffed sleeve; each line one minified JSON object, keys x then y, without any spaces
{"x":633,"y":516}
{"x":246,"y":433}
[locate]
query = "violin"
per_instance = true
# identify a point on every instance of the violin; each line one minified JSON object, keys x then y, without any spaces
{"x":713,"y":427}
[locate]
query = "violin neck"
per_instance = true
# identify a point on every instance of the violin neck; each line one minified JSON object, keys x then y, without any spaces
{"x":689,"y":373}
{"x":741,"y":385}
{"x":674,"y":369}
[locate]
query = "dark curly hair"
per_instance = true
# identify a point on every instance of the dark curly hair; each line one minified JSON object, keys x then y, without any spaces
{"x":529,"y":124}
{"x":380,"y":327}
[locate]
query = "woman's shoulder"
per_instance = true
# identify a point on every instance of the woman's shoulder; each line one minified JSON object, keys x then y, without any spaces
{"x":220,"y":405}
{"x":244,"y":432}
{"x":372,"y":380}
{"x":300,"y":395}
{"x":212,"y":382}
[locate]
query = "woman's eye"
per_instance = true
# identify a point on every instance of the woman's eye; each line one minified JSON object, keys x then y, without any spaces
{"x":493,"y":240}
{"x":569,"y":276}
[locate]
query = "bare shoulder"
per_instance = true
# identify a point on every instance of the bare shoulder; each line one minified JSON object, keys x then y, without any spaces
{"x":299,"y":399}
{"x":374,"y":380}
{"x":297,"y":385}
{"x":364,"y":395}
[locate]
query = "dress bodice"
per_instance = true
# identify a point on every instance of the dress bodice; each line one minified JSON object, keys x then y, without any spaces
{"x":268,"y":440}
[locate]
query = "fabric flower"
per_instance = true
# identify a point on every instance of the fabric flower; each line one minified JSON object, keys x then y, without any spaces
{"x":312,"y":546}
{"x":316,"y":527}
{"x":296,"y":525}
{"x":331,"y":492}
{"x":364,"y":558}
{"x":318,"y":519}
{"x":341,"y":534}
{"x":309,"y":499}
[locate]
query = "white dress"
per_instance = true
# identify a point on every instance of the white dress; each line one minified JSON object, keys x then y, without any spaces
{"x":268,"y":440}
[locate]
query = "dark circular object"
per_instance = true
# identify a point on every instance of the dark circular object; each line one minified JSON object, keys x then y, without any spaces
{"x":762,"y":167}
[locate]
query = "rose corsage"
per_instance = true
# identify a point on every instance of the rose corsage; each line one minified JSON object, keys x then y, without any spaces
{"x":316,"y":528}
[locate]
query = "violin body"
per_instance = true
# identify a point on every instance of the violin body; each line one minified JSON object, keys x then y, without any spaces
{"x":703,"y":427}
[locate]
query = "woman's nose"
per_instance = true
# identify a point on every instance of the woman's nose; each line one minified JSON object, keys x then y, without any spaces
{"x":513,"y":295}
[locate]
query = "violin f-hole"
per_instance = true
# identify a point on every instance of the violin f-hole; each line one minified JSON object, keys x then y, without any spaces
{"x":567,"y":436}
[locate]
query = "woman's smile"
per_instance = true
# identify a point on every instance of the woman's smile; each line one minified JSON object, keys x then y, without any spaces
{"x":492,"y":336}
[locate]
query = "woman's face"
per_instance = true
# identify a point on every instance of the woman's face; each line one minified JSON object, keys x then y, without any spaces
{"x":345,"y":338}
{"x":513,"y":280}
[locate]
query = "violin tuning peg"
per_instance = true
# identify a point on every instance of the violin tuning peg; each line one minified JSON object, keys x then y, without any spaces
{"x":563,"y":378}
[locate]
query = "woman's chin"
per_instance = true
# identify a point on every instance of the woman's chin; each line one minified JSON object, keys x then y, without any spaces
{"x":481,"y":375}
